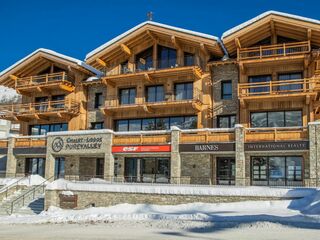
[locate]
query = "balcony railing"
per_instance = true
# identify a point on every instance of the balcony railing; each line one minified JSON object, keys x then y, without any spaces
{"x":3,"y":143}
{"x":276,"y":134}
{"x":277,"y":50}
{"x":44,"y":79}
{"x":169,"y":98}
{"x":31,"y":141}
{"x":278,"y":88}
{"x":66,"y":106}
{"x":207,"y":135}
{"x":139,"y":138}
{"x":145,"y":66}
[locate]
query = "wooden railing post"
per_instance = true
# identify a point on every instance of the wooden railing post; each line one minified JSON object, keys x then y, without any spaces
{"x":63,"y":76}
{"x":275,"y":135}
{"x":270,"y":87}
{"x":30,"y":82}
{"x":284,"y":49}
{"x":47,"y":78}
{"x":260,"y":52}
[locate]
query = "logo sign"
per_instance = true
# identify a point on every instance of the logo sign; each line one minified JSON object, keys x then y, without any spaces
{"x":277,"y":146}
{"x":211,"y":147}
{"x":137,"y":149}
{"x":57,"y":144}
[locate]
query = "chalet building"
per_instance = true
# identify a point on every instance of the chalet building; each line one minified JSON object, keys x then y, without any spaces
{"x":169,"y":105}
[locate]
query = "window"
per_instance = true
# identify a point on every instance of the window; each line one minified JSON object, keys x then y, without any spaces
{"x":35,"y":166}
{"x":127,"y":96}
{"x":288,"y":77}
{"x":227,"y":121}
{"x":42,"y":103}
{"x":59,"y":167}
{"x":276,"y":119}
{"x":188,"y":59}
{"x":155,"y":93}
{"x":276,"y":170}
{"x":183,"y":91}
{"x":226,"y":89}
{"x":146,"y":124}
{"x":167,"y":57}
{"x":97,"y":125}
{"x":98,"y":100}
{"x":45,"y":128}
{"x":100,"y":167}
{"x":124,"y":67}
{"x":144,"y":61}
{"x":259,"y":79}
{"x":57,"y":101}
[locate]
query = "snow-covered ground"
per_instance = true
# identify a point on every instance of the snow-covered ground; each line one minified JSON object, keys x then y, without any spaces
{"x":23,"y":181}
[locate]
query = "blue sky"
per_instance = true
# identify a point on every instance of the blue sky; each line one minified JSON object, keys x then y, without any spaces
{"x":75,"y":27}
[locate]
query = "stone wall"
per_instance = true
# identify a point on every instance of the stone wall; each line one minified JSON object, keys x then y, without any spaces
{"x":94,"y":115}
{"x":104,"y":199}
{"x":220,"y":106}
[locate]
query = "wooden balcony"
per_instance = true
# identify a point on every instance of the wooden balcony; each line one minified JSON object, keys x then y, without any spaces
{"x":30,"y":142}
{"x":141,"y":138}
{"x":113,"y":104}
{"x":207,"y":136}
{"x":3,"y":143}
{"x":301,"y":88}
{"x":276,"y":51}
{"x":276,"y":134}
{"x":44,"y":83}
{"x":64,"y":109}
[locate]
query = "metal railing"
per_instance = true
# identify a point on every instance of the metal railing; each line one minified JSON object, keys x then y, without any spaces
{"x":43,"y":79}
{"x":29,"y":195}
{"x":6,"y":189}
{"x":277,"y":50}
{"x":279,"y":87}
{"x":141,"y":65}
{"x":159,"y":179}
{"x":169,"y":97}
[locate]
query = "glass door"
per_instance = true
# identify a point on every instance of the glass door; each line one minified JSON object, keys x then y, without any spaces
{"x":225,"y":171}
{"x":130,"y":169}
{"x":59,"y":167}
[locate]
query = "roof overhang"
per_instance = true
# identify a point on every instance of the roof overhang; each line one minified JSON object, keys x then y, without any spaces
{"x":150,"y":29}
{"x":262,"y":26}
{"x":37,"y":59}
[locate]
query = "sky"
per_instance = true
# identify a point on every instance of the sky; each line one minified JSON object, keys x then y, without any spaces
{"x":76,"y":27}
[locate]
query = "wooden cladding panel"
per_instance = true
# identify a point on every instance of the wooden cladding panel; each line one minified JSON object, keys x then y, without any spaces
{"x":140,"y":139}
{"x":276,"y":135}
{"x":205,"y":137}
{"x":29,"y":142}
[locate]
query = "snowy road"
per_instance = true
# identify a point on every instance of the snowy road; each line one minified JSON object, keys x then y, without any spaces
{"x":157,"y":230}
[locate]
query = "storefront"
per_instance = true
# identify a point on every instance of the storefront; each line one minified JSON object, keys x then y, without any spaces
{"x":147,"y":164}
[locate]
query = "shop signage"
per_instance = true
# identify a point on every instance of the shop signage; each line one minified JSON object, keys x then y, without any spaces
{"x":209,"y":147}
{"x":277,"y":146}
{"x":137,"y":149}
{"x":76,"y":143}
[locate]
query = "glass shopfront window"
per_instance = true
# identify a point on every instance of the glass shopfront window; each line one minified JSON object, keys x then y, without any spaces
{"x":45,"y":128}
{"x":183,"y":122}
{"x":277,"y":170}
{"x":276,"y":119}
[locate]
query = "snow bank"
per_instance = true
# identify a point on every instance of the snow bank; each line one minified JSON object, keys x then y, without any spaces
{"x":62,"y":184}
{"x":8,"y":95}
{"x":24,"y":181}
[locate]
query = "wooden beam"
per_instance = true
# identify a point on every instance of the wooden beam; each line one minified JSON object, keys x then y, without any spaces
{"x":125,"y":49}
{"x":309,"y":34}
{"x":148,"y":78}
{"x":150,"y":34}
{"x":203,"y":49}
{"x":197,"y":73}
{"x":237,"y":42}
{"x":109,"y":82}
{"x":147,"y":109}
{"x":196,"y":107}
{"x":273,"y":33}
{"x":175,"y":42}
{"x":66,"y":88}
{"x":13,"y":77}
{"x":101,"y":62}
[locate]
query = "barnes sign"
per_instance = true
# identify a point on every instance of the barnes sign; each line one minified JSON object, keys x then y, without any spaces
{"x":210,"y":147}
{"x":277,"y":146}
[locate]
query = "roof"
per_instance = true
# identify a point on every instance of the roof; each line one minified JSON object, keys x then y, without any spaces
{"x":55,"y":54}
{"x":263,"y":15}
{"x":121,"y":36}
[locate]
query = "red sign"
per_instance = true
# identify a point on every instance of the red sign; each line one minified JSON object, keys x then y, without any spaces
{"x":137,"y":149}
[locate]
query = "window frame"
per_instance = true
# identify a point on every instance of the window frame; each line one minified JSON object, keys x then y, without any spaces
{"x":94,"y":124}
{"x":97,"y":102}
{"x":284,"y":117}
{"x":229,"y":116}
{"x":225,"y":96}
{"x":185,"y":90}
{"x":156,"y":92}
{"x":129,"y":95}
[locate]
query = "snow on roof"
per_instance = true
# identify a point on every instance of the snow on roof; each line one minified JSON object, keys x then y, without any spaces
{"x":116,"y":39}
{"x":53,"y":53}
{"x":263,"y":15}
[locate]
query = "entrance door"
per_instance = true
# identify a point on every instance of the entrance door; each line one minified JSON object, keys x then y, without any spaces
{"x":59,"y":167}
{"x":35,"y":166}
{"x":99,"y":167}
{"x":130,"y":169}
{"x":225,"y":171}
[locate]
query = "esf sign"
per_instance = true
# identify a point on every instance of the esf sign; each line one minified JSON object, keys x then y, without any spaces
{"x":137,"y":149}
{"x":72,"y":143}
{"x":212,"y":147}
